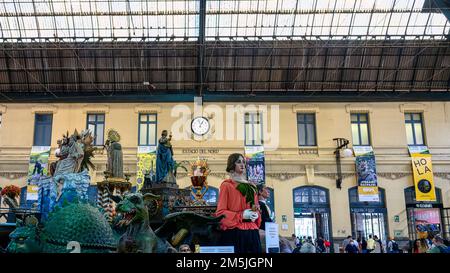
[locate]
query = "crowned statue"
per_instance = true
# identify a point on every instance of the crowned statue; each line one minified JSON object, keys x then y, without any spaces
{"x":114,"y":166}
{"x":198,"y":172}
{"x":164,"y":159}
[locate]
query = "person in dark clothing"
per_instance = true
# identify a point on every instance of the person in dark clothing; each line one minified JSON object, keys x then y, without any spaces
{"x":263,"y":195}
{"x":364,"y":246}
{"x":38,"y":168}
{"x":379,"y":242}
{"x":351,"y":247}
{"x":320,"y":245}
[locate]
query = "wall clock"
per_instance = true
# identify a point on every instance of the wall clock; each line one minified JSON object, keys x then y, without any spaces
{"x":200,"y":126}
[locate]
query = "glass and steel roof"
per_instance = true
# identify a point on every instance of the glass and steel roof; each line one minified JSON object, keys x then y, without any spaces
{"x":136,"y":20}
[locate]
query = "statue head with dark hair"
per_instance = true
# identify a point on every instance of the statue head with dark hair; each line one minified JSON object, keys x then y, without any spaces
{"x":232,"y":159}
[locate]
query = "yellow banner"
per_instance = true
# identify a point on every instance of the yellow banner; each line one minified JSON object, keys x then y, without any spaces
{"x":423,"y":177}
{"x":146,"y":164}
{"x":368,"y":194}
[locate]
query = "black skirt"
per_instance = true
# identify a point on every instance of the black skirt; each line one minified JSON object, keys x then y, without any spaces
{"x":244,"y":241}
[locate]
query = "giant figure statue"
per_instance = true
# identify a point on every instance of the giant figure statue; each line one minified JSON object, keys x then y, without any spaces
{"x":71,"y":155}
{"x":115,"y":156}
{"x":164,"y":157}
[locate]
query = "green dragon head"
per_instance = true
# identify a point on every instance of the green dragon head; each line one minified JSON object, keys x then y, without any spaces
{"x":25,"y":238}
{"x":134,"y":207}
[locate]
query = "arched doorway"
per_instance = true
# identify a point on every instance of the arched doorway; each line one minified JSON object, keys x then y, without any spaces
{"x":424,"y":218}
{"x":368,"y":218}
{"x":312,"y":215}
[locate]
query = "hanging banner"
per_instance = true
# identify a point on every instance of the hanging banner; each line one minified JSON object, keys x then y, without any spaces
{"x":255,"y":165}
{"x":37,"y":167}
{"x":366,"y":173}
{"x":146,"y":164}
{"x":422,"y":173}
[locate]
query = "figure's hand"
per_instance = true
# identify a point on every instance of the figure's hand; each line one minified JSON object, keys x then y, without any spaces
{"x":247,"y":214}
{"x":254,"y":216}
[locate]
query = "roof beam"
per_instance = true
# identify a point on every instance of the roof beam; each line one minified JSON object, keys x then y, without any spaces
{"x":201,"y":48}
{"x":224,"y":96}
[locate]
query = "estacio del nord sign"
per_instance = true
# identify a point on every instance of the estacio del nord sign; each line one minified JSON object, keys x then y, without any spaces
{"x":200,"y":151}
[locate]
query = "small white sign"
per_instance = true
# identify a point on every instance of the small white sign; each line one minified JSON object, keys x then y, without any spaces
{"x":32,"y":193}
{"x":217,"y":249}
{"x":284,"y":227}
{"x":418,"y":150}
{"x":272,"y":238}
{"x":362,"y":150}
{"x":146,"y":149}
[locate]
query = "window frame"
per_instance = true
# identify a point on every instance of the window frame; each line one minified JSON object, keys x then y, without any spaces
{"x":304,"y":123}
{"x":95,"y":123}
{"x":253,"y":125}
{"x":147,"y":123}
{"x":413,"y":124}
{"x":50,"y":124}
{"x":358,"y":123}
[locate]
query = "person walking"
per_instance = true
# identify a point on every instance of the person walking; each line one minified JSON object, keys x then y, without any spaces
{"x":320,"y":245}
{"x":438,"y":245}
{"x":378,"y":245}
{"x":346,"y":242}
{"x":358,"y":245}
{"x":420,"y":246}
{"x":308,"y":247}
{"x":364,"y":245}
{"x":351,"y":247}
{"x":370,"y":244}
{"x":392,"y":246}
{"x":327,"y":245}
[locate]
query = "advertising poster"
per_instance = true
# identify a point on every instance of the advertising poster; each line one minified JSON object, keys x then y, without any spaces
{"x":427,"y":221}
{"x":422,"y":173}
{"x":146,"y":164}
{"x":366,"y":174}
{"x":37,"y":167}
{"x":254,"y":156}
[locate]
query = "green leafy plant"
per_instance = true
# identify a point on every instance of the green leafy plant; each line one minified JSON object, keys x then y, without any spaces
{"x":181,"y":165}
{"x":248,"y":191}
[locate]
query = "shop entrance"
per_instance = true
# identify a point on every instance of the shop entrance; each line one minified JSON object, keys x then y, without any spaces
{"x":425,"y":218}
{"x":312,"y":213}
{"x":368,"y":218}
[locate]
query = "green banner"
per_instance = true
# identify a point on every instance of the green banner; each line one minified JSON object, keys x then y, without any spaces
{"x":37,"y":167}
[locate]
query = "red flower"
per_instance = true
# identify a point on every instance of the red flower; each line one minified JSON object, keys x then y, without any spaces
{"x":11,"y":190}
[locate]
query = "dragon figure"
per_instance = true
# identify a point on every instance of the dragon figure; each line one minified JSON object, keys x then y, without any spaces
{"x":75,"y":222}
{"x":134,"y":216}
{"x":178,"y":228}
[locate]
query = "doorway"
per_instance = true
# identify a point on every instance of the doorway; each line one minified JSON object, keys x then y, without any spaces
{"x":312,"y":213}
{"x":368,"y":218}
{"x":425,"y":219}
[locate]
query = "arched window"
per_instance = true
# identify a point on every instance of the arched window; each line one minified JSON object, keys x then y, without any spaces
{"x":311,"y":196}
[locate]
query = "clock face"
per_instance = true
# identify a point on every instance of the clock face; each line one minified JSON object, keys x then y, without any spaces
{"x":200,"y":126}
